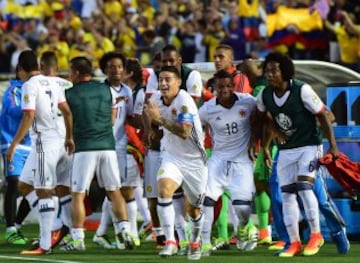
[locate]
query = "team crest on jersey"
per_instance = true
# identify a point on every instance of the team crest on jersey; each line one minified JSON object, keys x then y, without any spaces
{"x":26,"y":98}
{"x":149,"y":189}
{"x":161,"y":171}
{"x":285,"y":123}
{"x":174,"y":112}
{"x":242,"y":113}
{"x":11,"y":167}
{"x":184,"y":109}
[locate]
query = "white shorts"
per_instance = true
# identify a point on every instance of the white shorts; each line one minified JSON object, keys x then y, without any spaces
{"x":235,"y":176}
{"x":151,"y":167}
{"x":301,"y":161}
{"x":63,"y":169}
{"x":193,"y":181}
{"x":132,"y":174}
{"x":87,"y":164}
{"x":40,"y":169}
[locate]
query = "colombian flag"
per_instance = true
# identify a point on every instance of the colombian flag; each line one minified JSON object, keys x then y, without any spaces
{"x":289,"y":26}
{"x":249,"y":15}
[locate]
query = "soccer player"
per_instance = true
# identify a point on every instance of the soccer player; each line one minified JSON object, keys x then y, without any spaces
{"x":228,"y":117}
{"x":261,"y":171}
{"x":112,"y":64}
{"x":191,"y":82}
{"x":94,"y":151}
{"x":223,"y":60}
{"x":10,"y":119}
{"x":41,"y":99}
{"x":183,"y":157}
{"x":61,"y":226}
{"x":134,"y":78}
{"x":294,"y":107}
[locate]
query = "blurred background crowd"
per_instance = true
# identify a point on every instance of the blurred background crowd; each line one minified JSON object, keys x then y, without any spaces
{"x":305,"y":29}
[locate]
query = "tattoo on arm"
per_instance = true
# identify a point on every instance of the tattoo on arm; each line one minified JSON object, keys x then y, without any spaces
{"x":183,"y":131}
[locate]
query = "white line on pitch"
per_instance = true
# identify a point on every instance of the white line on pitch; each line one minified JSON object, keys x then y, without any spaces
{"x":38,"y":259}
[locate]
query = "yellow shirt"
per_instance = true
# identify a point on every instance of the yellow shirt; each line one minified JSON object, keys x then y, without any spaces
{"x":126,"y":43}
{"x":113,"y":10}
{"x":212,"y":42}
{"x":75,"y":52}
{"x":62,"y":52}
{"x":149,"y":13}
{"x":349,"y":45}
{"x":12,"y":8}
{"x":107,"y":45}
{"x":248,"y":10}
{"x":88,"y":37}
{"x":46,"y":10}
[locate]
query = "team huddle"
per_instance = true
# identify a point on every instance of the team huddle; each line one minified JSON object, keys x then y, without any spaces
{"x":195,"y":152}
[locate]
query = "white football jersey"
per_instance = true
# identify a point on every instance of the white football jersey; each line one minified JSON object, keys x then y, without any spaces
{"x":125,"y":107}
{"x":64,"y":84}
{"x":230,"y":128}
{"x":152,"y":84}
{"x":191,"y":148}
{"x":43,"y":94}
{"x":139,"y":102}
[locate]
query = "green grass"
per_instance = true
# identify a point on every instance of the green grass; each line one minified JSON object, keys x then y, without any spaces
{"x":147,"y":254}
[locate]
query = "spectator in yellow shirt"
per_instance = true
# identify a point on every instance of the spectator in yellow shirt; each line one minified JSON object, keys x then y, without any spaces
{"x":61,"y":49}
{"x":348,"y":41}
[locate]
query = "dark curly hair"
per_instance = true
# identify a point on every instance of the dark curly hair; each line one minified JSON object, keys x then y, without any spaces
{"x":286,"y":65}
{"x":108,"y":56}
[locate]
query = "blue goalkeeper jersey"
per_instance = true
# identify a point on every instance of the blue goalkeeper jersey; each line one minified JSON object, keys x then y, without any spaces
{"x":11,"y":115}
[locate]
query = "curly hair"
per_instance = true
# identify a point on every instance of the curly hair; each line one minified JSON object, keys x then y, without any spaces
{"x":108,"y":56}
{"x":286,"y":65}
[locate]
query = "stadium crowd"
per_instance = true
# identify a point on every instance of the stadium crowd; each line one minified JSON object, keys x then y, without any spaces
{"x":305,"y":29}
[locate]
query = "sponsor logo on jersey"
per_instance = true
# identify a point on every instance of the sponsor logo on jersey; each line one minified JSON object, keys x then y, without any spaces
{"x":173,"y":112}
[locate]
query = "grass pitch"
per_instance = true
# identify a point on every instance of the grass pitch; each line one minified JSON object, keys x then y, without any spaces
{"x":147,"y":254}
